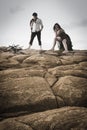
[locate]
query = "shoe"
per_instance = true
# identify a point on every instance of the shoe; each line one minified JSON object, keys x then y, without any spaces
{"x":66,"y":51}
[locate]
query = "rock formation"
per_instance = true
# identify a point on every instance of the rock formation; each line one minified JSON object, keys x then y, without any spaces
{"x":43,"y":90}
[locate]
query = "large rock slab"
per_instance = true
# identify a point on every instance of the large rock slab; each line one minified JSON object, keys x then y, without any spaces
{"x":70,"y":59}
{"x":79,"y":70}
{"x":67,"y":118}
{"x":27,"y":94}
{"x":9,"y":74}
{"x":43,"y":60}
{"x":72,"y":90}
{"x":7,"y":61}
{"x":12,"y":124}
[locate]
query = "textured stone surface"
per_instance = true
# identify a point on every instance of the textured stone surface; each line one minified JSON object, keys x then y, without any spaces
{"x":67,"y":118}
{"x":26,"y":94}
{"x":41,"y":86}
{"x":73,"y":90}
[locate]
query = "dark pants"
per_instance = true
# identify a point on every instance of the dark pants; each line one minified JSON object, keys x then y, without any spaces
{"x":38,"y":34}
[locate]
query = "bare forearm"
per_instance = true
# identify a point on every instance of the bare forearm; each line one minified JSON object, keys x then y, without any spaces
{"x":41,"y":27}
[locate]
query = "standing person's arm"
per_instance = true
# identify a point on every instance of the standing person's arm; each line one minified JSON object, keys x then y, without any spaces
{"x":31,"y":24}
{"x":41,"y":25}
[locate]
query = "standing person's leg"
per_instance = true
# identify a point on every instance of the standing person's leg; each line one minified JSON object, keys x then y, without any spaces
{"x":39,"y":39}
{"x":33,"y":34}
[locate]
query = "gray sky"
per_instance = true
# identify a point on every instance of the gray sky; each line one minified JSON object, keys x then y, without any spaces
{"x":16,"y":14}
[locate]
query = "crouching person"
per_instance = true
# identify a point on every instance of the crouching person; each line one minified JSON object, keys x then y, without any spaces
{"x":63,"y":39}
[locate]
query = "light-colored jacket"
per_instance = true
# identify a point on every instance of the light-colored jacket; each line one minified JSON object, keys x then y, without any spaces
{"x":36,"y":25}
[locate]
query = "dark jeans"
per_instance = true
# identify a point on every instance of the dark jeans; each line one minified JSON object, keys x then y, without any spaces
{"x":38,"y":34}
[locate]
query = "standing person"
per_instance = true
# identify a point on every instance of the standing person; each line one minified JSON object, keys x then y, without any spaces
{"x":62,"y":38}
{"x":36,"y":28}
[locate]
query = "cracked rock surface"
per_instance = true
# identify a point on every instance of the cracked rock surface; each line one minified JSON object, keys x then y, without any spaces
{"x":43,"y":90}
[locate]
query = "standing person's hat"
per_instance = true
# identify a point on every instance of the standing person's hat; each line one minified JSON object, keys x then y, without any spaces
{"x":34,"y":14}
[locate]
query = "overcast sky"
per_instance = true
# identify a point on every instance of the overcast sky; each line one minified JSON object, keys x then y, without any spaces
{"x":16,"y":14}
